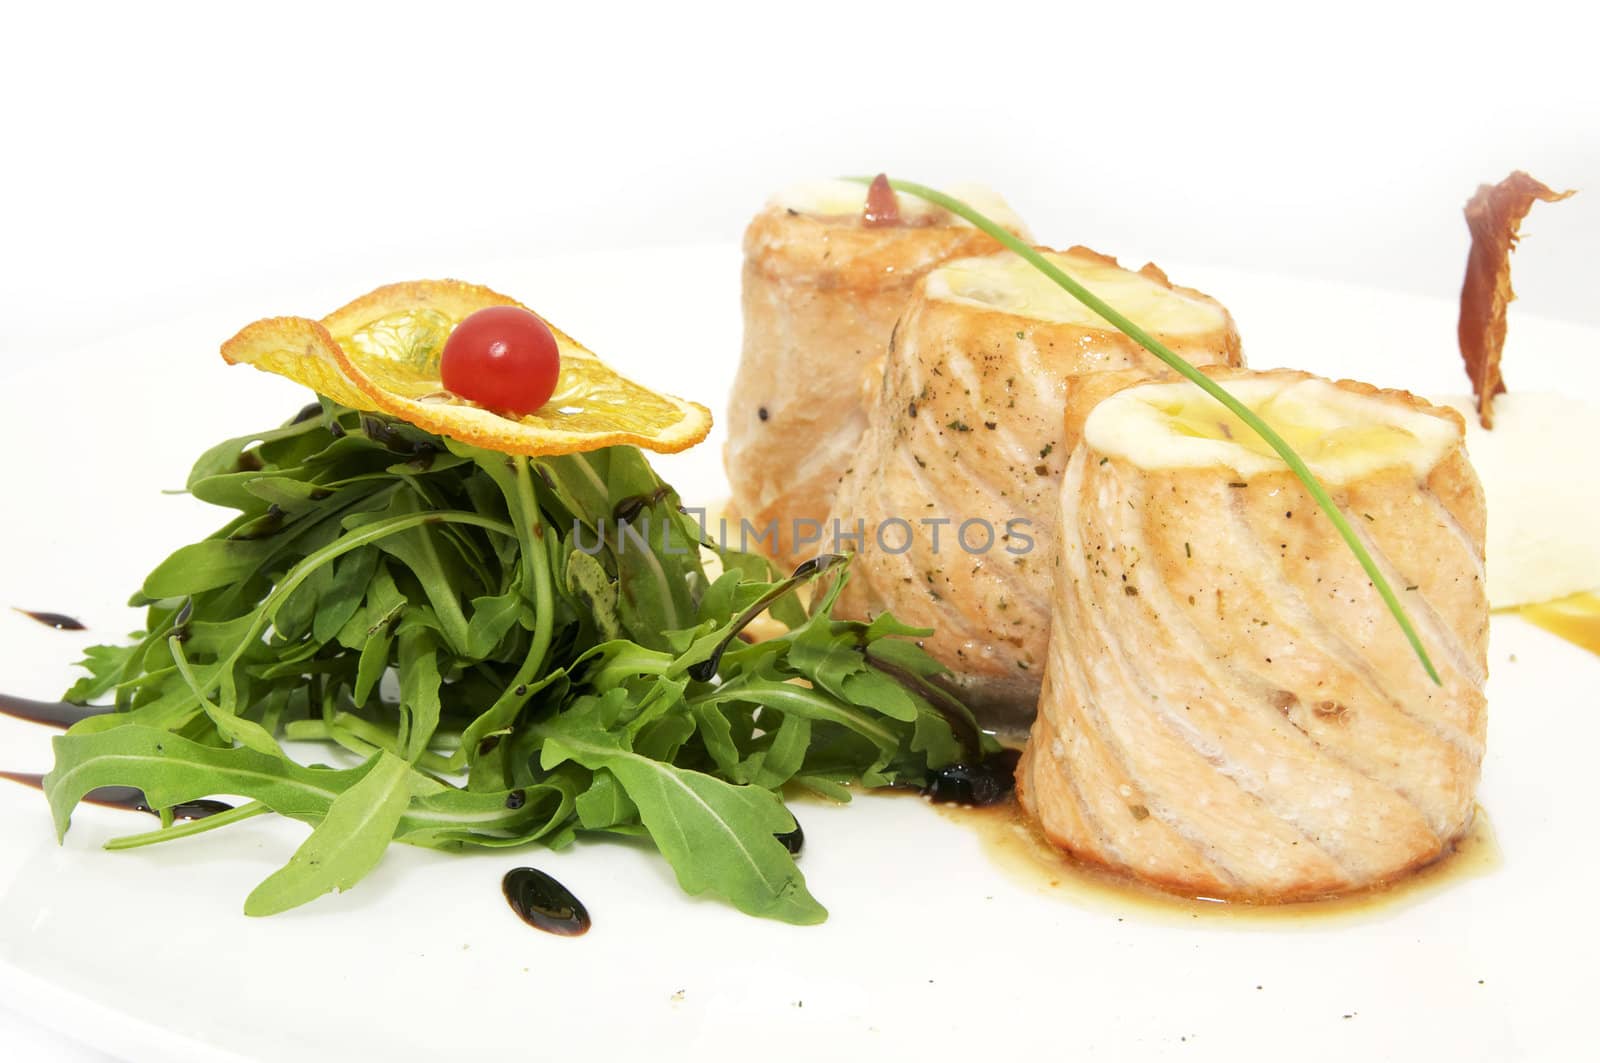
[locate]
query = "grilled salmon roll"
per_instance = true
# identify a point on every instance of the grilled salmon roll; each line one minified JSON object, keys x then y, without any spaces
{"x":824,"y":281}
{"x":1229,"y":710}
{"x":951,"y":500}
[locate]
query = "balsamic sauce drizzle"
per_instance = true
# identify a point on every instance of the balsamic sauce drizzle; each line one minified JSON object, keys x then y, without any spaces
{"x":127,"y":797}
{"x":308,"y":411}
{"x":987,"y":782}
{"x":59,"y":621}
{"x":793,"y":840}
{"x":383,"y":433}
{"x":269,"y":523}
{"x":61,"y":714}
{"x":543,"y":903}
{"x":64,"y":714}
{"x":627,"y":510}
{"x":389,"y":436}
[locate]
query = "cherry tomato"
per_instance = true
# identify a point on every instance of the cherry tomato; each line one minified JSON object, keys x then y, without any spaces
{"x":503,"y":358}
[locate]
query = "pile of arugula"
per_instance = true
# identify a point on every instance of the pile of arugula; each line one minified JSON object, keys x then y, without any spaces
{"x":517,"y":650}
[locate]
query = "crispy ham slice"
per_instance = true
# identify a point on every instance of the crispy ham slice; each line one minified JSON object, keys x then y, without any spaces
{"x":1494,"y":215}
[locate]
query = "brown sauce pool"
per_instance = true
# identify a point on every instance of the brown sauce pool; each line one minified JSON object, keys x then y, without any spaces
{"x":1017,"y":848}
{"x":543,"y":903}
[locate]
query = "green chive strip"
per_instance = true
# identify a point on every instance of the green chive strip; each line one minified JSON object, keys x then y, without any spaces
{"x":1205,"y":383}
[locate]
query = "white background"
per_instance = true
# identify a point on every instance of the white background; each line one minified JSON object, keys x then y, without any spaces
{"x":157,"y":157}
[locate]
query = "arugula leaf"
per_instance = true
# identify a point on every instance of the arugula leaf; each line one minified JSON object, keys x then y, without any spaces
{"x":171,"y":770}
{"x":418,"y":669}
{"x":589,"y":583}
{"x":347,"y":844}
{"x":718,"y":837}
{"x":520,"y":651}
{"x":605,"y":805}
{"x":106,"y":666}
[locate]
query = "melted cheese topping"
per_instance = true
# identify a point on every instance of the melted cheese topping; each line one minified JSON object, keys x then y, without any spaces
{"x":1342,"y":435}
{"x":835,"y":198}
{"x":1006,"y":282}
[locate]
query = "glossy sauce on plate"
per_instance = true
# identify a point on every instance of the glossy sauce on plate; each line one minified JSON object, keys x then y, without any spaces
{"x":127,"y":797}
{"x":50,"y":713}
{"x":59,"y":621}
{"x":1017,"y":848}
{"x":543,"y":903}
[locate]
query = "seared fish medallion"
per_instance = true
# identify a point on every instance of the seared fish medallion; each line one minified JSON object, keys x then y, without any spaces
{"x":825,"y":277}
{"x":954,"y":489}
{"x":1229,"y":710}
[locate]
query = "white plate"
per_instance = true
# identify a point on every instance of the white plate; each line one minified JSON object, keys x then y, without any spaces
{"x":931,"y":947}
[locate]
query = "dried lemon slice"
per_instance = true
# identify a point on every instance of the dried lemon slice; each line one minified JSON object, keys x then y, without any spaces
{"x":381,"y":352}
